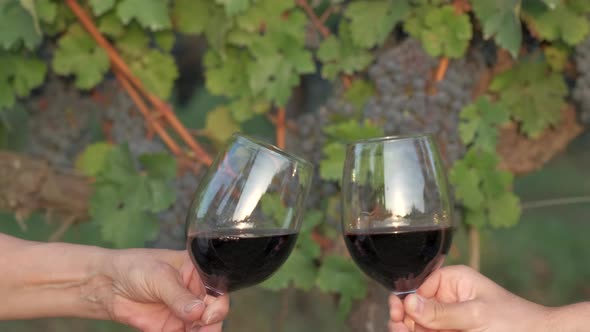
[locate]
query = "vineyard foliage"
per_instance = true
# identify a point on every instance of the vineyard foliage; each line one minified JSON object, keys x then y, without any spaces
{"x":258,"y":52}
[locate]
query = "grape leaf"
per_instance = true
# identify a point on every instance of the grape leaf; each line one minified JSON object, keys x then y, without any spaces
{"x":198,"y":16}
{"x":165,"y":40}
{"x":267,"y":14}
{"x":560,"y":23}
{"x":338,"y":274}
{"x":441,"y":30}
{"x":298,"y":269}
{"x":233,"y":7}
{"x":556,"y":56}
{"x":359,"y":92}
{"x":334,"y":152}
{"x":246,"y":108}
{"x":100,"y":7}
{"x":479,"y":122}
{"x":111,"y":25}
{"x":124,"y":201}
{"x":46,"y":10}
{"x":500,"y":19}
{"x":157,"y":71}
{"x":340,"y":54}
{"x":152,"y":14}
{"x":504,"y":211}
{"x":159,"y":165}
{"x":17,"y":26}
{"x":134,"y":43}
{"x":219,"y":124}
{"x":224,"y":75}
{"x":19,"y":75}
{"x":77,"y":54}
{"x":467,"y":185}
{"x":533,"y":94}
{"x":274,"y":208}
{"x":92,"y":160}
{"x":280,"y":57}
{"x":372,"y":21}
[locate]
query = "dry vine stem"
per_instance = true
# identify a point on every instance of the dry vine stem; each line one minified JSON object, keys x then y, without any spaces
{"x":137,"y":92}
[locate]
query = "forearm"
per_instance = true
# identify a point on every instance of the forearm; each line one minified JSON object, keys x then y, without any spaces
{"x":51,"y":279}
{"x":570,"y":318}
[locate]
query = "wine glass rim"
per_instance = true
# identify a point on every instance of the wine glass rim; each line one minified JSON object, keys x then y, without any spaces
{"x":390,"y":138}
{"x":272,"y":148}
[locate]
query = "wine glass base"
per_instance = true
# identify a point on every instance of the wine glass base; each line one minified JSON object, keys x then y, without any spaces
{"x":402,"y":295}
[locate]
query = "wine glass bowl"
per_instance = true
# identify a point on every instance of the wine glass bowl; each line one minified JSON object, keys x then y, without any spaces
{"x":397,"y":215}
{"x":246,"y":214}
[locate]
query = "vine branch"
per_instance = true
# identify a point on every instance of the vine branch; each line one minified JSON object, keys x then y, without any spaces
{"x":474,"y":248}
{"x":281,"y":127}
{"x":128,"y":80}
{"x":315,"y":20}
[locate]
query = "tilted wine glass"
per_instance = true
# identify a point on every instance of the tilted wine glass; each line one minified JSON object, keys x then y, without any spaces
{"x":246,"y":214}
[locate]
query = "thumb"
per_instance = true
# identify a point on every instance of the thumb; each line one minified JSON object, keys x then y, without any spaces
{"x":443,"y":316}
{"x":185,"y":305}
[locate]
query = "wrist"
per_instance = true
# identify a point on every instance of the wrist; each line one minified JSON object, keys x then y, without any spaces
{"x":570,"y":318}
{"x":55,"y":280}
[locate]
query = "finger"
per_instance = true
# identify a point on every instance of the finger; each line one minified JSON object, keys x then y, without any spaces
{"x":171,"y":290}
{"x":436,"y":315}
{"x":396,"y":308}
{"x":431,"y":285}
{"x":217,"y":327}
{"x":397,"y":327}
{"x":217,"y":308}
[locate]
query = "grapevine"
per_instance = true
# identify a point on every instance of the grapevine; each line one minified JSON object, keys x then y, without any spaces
{"x":97,"y":81}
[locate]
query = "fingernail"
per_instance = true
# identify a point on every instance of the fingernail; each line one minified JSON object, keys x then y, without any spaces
{"x":192,"y":305}
{"x":415,"y":303}
{"x":213,"y":317}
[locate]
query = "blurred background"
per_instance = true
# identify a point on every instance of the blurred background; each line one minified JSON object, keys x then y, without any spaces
{"x":404,"y":76}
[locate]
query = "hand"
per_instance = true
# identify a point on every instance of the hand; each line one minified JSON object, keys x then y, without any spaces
{"x":158,"y":290}
{"x":457,"y":298}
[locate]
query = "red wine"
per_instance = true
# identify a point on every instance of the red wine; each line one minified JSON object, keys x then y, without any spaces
{"x":398,"y":259}
{"x":228,"y":260}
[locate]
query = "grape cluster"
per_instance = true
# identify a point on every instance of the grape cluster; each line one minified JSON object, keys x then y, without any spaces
{"x":409,"y":102}
{"x":581,"y":93}
{"x":127,"y":124}
{"x":59,"y":123}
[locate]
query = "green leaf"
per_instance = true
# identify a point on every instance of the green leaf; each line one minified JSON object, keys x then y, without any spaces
{"x":233,"y":7}
{"x":533,"y":94}
{"x":118,"y":166}
{"x":477,"y":218}
{"x":46,"y":10}
{"x":110,"y":25}
{"x":340,"y":54}
{"x":441,"y":30}
{"x":165,"y":40}
{"x":77,"y":54}
{"x":479,"y":122}
{"x":100,"y":7}
{"x":556,"y":56}
{"x":19,"y":75}
{"x":560,"y":23}
{"x":152,"y":14}
{"x":192,"y":16}
{"x":161,"y":195}
{"x":273,"y":207}
{"x":504,"y":210}
{"x":333,"y":159}
{"x":338,"y":274}
{"x":299,"y":269}
{"x":17,"y":26}
{"x":224,"y":75}
{"x":352,"y":130}
{"x":246,"y":108}
{"x":220,"y":125}
{"x":159,"y":165}
{"x":467,"y":185}
{"x":92,"y":160}
{"x":157,"y":71}
{"x":372,"y":21}
{"x":311,"y":219}
{"x":267,"y":13}
{"x":359,"y":92}
{"x":501,"y":19}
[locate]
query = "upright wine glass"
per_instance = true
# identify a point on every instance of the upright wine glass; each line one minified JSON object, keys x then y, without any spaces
{"x":246,"y":214}
{"x":396,"y":218}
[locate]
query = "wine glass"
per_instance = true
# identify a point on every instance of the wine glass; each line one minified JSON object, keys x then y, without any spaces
{"x":397,"y":218}
{"x":246,"y":214}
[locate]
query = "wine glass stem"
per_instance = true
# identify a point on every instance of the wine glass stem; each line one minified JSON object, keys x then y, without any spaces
{"x":402,"y":295}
